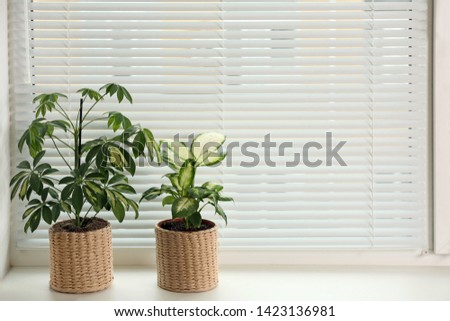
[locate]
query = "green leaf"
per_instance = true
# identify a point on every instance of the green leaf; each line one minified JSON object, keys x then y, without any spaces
{"x":173,"y":177}
{"x":111,"y":198}
{"x":92,"y":153}
{"x":50,"y":171}
{"x":186,"y":176}
{"x":212,"y":186}
{"x":124,"y":188}
{"x":30,"y":210}
{"x":53,"y":193}
{"x":95,"y":187}
{"x":139,"y":144}
{"x":34,"y":220}
{"x":26,"y":226}
{"x":168,"y":200}
{"x":47,"y":214}
{"x":100,"y":159}
{"x":214,"y":197}
{"x":175,"y":152}
{"x":199,"y":192}
{"x":24,"y":165}
{"x":117,"y":178}
{"x":184,"y":207}
{"x":111,"y":120}
{"x":67,"y":191}
{"x":39,"y":97}
{"x":18,"y":177}
{"x":92,"y":94}
{"x":106,"y":173}
{"x":127,"y":95}
{"x":226,"y":199}
{"x":111,"y":89}
{"x":44,"y":194}
{"x":83,"y":169}
{"x":120,"y":197}
{"x":135,"y":207}
{"x":206,"y":145}
{"x":119,"y":211}
{"x":50,"y":130}
{"x":90,"y":195}
{"x":56,"y":211}
{"x":167,"y":189}
{"x":117,"y":121}
{"x":67,"y":180}
{"x":119,"y":94}
{"x":152,"y":146}
{"x":42,"y":167}
{"x":220,"y":211}
{"x":168,"y":160}
{"x":116,"y":158}
{"x":22,"y":140}
{"x":77,"y":199}
{"x":95,"y":176}
{"x":214,"y":159}
{"x":34,"y":202}
{"x":195,"y":219}
{"x":29,"y":191}
{"x":102,"y":202}
{"x":130,"y":165}
{"x":16,"y":187}
{"x":38,"y":158}
{"x":60,"y":95}
{"x":126,"y":123}
{"x":61,"y":124}
{"x":151,"y":193}
{"x":24,"y":189}
{"x":66,"y":207}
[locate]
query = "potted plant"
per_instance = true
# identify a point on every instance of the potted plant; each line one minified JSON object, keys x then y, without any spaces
{"x":186,"y":244}
{"x":94,"y":179}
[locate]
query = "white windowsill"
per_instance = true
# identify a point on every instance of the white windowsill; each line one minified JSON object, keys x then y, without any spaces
{"x":252,"y":283}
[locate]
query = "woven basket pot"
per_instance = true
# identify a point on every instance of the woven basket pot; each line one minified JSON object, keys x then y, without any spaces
{"x":187,"y":261}
{"x":81,"y":262}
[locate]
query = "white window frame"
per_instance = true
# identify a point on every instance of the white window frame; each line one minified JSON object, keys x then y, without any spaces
{"x":441,"y":114}
{"x":4,"y":142}
{"x":438,"y":155}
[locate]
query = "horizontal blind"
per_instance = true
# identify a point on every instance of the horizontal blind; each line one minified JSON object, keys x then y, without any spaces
{"x":357,"y":70}
{"x":291,"y":70}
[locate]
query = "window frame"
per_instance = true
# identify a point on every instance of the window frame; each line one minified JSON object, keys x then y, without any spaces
{"x":4,"y":142}
{"x":441,"y":123}
{"x":439,"y":71}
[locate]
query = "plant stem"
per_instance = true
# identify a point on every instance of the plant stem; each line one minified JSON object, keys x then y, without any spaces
{"x":80,"y":132}
{"x":89,"y":110}
{"x":82,"y":221}
{"x":59,"y":152}
{"x":202,"y":207}
{"x":63,"y":142}
{"x":70,"y":217}
{"x":64,"y":114}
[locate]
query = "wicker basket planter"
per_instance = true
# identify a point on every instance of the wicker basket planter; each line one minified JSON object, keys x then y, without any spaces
{"x":80,"y":262}
{"x":187,"y":261}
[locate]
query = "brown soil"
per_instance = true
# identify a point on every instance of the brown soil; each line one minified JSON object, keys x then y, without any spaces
{"x":90,"y":224}
{"x":179,"y":225}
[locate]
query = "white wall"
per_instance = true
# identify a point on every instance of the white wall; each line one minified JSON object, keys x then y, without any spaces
{"x":441,"y":86}
{"x":4,"y":142}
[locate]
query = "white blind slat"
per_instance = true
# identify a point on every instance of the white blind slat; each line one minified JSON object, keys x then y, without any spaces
{"x":292,"y":69}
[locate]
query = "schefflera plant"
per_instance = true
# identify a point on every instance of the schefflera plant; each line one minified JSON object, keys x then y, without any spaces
{"x":97,"y":173}
{"x":187,"y":200}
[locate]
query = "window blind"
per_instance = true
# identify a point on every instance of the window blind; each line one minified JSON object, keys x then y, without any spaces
{"x":305,"y":73}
